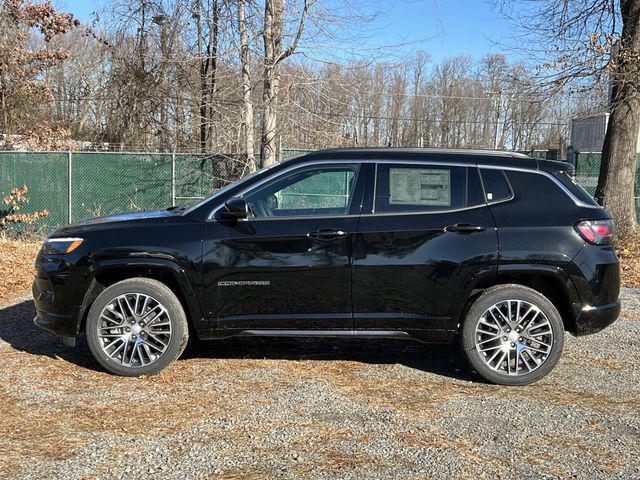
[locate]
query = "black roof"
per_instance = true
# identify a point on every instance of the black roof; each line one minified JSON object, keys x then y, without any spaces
{"x":473,"y":157}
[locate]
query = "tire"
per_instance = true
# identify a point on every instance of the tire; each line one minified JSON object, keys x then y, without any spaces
{"x":510,"y":354}
{"x":139,"y":348}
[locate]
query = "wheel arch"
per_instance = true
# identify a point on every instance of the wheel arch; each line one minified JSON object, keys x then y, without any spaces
{"x":550,"y":281}
{"x":165,"y":271}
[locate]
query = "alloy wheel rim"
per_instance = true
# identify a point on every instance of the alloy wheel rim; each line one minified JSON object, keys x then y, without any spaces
{"x":134,"y":330}
{"x":514,"y":337}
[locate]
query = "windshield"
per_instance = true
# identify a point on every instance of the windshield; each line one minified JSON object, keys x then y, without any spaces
{"x":568,"y":181}
{"x":226,"y":188}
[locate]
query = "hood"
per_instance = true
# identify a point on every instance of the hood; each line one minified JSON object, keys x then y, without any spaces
{"x":125,"y":217}
{"x":134,"y":219}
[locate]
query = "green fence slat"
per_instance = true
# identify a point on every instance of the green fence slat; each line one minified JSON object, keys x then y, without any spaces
{"x":105,"y":183}
{"x":46,"y":176}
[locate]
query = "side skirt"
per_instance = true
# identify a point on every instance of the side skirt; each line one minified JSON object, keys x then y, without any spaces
{"x":327,"y":333}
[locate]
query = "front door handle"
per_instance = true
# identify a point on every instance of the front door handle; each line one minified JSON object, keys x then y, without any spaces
{"x":326,"y":234}
{"x":464,"y":228}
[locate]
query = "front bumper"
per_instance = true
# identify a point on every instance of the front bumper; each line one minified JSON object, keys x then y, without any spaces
{"x":593,"y":319}
{"x":62,"y":325}
{"x":54,"y":289}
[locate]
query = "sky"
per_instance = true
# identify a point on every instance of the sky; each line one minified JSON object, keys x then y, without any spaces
{"x":446,"y":28}
{"x":442,"y":28}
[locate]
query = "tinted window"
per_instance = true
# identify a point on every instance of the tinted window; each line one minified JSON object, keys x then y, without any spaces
{"x":305,"y":192}
{"x":417,"y":188}
{"x":496,"y":185}
{"x":476,"y":195}
{"x":568,"y":181}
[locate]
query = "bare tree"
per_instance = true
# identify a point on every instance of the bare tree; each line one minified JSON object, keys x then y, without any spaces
{"x":616,"y":184}
{"x":247,"y":102}
{"x":207,"y":34}
{"x":579,"y":44}
{"x":417,"y":110}
{"x":274,"y":54}
{"x":189,"y":75}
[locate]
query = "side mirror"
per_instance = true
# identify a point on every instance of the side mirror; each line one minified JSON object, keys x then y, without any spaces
{"x":236,"y":207}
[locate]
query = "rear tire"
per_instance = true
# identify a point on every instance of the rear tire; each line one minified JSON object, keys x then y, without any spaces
{"x":136,"y":327}
{"x":513,"y":335}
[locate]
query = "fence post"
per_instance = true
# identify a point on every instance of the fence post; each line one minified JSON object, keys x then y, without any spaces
{"x":69,"y":186}
{"x":173,"y":179}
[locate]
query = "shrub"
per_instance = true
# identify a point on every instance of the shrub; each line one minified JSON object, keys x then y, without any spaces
{"x":13,"y":202}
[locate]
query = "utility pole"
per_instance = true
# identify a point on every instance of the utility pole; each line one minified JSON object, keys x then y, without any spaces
{"x":498,"y":111}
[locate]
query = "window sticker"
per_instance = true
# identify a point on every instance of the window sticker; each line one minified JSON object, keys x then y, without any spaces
{"x":418,"y":186}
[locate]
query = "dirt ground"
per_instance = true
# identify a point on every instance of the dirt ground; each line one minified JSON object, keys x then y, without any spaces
{"x":287,"y":408}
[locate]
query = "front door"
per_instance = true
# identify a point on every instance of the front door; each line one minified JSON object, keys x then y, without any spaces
{"x":428,"y":233}
{"x":288,"y":266}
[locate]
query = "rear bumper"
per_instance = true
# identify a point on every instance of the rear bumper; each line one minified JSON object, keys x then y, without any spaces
{"x":593,"y":319}
{"x":595,"y":273}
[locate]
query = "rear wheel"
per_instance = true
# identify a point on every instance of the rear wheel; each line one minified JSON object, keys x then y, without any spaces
{"x":136,"y":327}
{"x":513,"y":335}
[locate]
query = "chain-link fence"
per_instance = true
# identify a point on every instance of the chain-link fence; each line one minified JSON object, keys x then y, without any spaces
{"x":588,"y":170}
{"x":75,"y":186}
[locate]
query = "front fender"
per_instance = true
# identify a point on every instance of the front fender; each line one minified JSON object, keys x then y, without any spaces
{"x":146,"y":267}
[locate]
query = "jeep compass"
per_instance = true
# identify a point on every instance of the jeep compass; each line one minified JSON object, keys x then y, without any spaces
{"x":496,"y":250}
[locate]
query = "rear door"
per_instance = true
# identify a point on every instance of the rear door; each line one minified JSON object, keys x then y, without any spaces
{"x":428,"y":236}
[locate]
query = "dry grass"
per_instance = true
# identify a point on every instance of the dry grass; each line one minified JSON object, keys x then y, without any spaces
{"x":54,"y":427}
{"x":16,"y":269}
{"x":628,"y":251}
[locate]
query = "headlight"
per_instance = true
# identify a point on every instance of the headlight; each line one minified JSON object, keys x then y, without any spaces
{"x":60,"y":246}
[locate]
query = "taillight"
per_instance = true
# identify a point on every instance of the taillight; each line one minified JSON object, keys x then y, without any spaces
{"x":597,"y":232}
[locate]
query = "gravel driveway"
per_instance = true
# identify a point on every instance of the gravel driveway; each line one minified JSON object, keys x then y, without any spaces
{"x":289,"y":408}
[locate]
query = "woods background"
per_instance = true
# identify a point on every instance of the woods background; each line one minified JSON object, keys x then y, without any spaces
{"x":168,"y":75}
{"x":240,"y":77}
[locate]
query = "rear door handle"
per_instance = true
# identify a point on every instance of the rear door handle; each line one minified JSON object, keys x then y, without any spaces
{"x":326,"y":234}
{"x":464,"y":228}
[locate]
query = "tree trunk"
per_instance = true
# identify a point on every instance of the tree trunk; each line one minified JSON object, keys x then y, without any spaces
{"x":247,"y":103}
{"x":272,"y":37}
{"x":202,"y":99}
{"x":164,"y":100}
{"x":271,"y":87}
{"x":616,"y":184}
{"x":208,"y":67}
{"x":274,"y":54}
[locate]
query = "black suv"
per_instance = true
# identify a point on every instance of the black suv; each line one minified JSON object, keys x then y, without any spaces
{"x":499,"y":250}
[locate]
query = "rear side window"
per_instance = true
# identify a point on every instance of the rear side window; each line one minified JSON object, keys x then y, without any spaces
{"x":429,"y":188}
{"x":568,"y":181}
{"x":496,"y":185}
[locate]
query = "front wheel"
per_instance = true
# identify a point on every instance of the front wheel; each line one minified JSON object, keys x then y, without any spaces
{"x":513,"y":335}
{"x":136,"y":327}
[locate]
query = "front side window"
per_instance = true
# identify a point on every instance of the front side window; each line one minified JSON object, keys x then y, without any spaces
{"x":310,"y":191}
{"x":429,"y":188}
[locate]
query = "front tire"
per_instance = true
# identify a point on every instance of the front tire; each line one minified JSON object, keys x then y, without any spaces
{"x":513,"y":335}
{"x":136,"y":327}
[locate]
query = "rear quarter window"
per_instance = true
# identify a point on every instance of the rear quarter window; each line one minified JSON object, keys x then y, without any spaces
{"x":538,"y":201}
{"x":496,"y":185}
{"x":567,"y":180}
